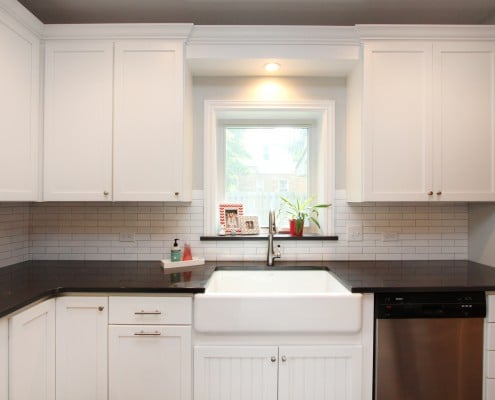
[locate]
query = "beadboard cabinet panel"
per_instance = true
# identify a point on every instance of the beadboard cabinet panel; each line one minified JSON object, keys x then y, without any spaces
{"x":19,"y":102}
{"x":78,"y":121}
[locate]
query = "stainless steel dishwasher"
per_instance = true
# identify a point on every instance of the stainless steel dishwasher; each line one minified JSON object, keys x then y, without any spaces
{"x":429,"y":346}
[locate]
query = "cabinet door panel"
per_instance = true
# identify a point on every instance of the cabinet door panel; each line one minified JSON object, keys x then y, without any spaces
{"x":19,"y":124}
{"x":235,"y":373}
{"x":320,"y":372}
{"x":151,"y":362}
{"x":148,"y":143}
{"x":464,"y":123}
{"x":81,"y":356}
{"x":397,"y":121}
{"x":78,"y":121}
{"x":32,"y":353}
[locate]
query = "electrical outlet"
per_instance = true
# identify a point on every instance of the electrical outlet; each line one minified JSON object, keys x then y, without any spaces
{"x":355,"y":233}
{"x":127,"y":237}
{"x":390,"y":236}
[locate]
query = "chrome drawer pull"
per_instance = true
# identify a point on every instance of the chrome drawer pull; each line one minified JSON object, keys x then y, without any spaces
{"x":143,"y":333}
{"x":142,"y":312}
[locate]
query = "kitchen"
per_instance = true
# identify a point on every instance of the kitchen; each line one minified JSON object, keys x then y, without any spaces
{"x":86,"y":230}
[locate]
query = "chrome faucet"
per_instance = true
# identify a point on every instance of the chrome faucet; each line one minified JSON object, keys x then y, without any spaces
{"x":272,"y":229}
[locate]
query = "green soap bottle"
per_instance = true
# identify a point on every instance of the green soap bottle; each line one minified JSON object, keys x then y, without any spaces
{"x":175,"y":252}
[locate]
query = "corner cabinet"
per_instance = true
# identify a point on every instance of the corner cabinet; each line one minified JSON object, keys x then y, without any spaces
{"x":423,"y":123}
{"x":19,"y":102}
{"x":117,"y":121}
{"x":32,"y":353}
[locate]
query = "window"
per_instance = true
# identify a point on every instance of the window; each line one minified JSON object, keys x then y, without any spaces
{"x":257,"y":151}
{"x":274,"y":157}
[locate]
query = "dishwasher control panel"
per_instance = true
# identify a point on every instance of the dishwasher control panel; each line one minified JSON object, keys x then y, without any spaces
{"x":430,"y":305}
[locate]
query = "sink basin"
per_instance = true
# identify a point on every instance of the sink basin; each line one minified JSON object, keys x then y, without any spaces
{"x":262,"y":301}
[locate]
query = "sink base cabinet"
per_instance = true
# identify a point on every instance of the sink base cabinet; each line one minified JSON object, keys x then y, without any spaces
{"x":81,"y":348}
{"x":32,"y":353}
{"x":151,"y":362}
{"x":273,"y":372}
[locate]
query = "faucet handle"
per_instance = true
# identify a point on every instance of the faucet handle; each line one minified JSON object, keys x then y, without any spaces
{"x":272,"y":227}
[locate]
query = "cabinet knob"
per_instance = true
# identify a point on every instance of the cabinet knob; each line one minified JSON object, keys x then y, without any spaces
{"x":176,"y":193}
{"x":106,"y":193}
{"x":100,"y":308}
{"x":439,"y":193}
{"x":273,"y":359}
{"x":430,"y":193}
{"x":284,"y":358}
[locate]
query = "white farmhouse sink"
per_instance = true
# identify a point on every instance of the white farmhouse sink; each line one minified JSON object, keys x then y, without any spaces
{"x":276,"y":301}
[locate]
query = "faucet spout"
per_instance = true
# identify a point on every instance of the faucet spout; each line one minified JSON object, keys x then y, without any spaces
{"x":272,"y":229}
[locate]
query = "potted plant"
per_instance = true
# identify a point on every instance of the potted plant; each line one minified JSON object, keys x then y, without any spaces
{"x":299,"y":210}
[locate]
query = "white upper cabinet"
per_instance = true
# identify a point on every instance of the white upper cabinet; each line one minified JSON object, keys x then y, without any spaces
{"x":150,"y":142}
{"x":78,"y":120}
{"x":464,"y":120}
{"x":116,"y":126}
{"x":427,"y":129}
{"x":19,"y":102}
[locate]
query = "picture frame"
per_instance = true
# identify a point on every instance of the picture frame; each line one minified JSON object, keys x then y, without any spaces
{"x":249,"y":225}
{"x":229,"y":217}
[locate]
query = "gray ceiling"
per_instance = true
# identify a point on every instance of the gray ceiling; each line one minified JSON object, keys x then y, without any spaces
{"x":266,"y":12}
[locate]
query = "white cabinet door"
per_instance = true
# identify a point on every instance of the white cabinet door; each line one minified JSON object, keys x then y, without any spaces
{"x":4,"y":359}
{"x":32,"y":353}
{"x":235,"y":372}
{"x":78,"y":120}
{"x":464,"y":121}
{"x":397,"y":115}
{"x":81,"y":348}
{"x":150,"y":139}
{"x":320,"y":372}
{"x":19,"y":102}
{"x":151,"y":362}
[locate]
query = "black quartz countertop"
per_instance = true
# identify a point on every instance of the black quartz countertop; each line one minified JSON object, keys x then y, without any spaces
{"x":23,"y":283}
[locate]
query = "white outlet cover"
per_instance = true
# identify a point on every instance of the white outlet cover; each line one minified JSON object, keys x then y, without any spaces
{"x":354,"y":233}
{"x":390,"y":236}
{"x":127,"y":237}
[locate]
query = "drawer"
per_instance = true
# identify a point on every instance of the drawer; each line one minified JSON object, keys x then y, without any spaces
{"x":153,"y":310}
{"x":490,"y":389}
{"x":490,"y":364}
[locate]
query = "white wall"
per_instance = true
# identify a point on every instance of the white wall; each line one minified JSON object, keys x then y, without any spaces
{"x":482,"y":233}
{"x":260,"y":88}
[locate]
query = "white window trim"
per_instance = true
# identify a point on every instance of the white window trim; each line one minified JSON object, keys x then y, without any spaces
{"x":322,"y":111}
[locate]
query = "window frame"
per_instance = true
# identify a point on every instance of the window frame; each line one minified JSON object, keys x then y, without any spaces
{"x":319,"y":114}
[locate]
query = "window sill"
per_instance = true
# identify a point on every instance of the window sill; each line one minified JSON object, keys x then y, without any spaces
{"x":264,"y":237}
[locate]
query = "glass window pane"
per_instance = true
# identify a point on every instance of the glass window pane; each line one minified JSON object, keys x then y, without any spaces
{"x":263,"y":163}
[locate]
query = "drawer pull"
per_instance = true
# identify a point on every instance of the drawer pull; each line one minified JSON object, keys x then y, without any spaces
{"x":142,"y":312}
{"x":143,"y":333}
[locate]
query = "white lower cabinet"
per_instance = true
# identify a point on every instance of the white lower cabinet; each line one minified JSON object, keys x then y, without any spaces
{"x":81,"y":347}
{"x":4,"y":359}
{"x":151,"y":362}
{"x":272,"y":372}
{"x":32,"y":353}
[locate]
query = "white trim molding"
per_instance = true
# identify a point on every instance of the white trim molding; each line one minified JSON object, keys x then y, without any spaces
{"x":17,"y":12}
{"x":323,"y":111}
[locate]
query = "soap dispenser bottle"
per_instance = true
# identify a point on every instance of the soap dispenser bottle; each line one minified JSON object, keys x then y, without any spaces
{"x":175,"y":252}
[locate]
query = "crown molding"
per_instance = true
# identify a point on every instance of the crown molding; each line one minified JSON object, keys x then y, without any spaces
{"x":264,"y":34}
{"x":426,"y":32}
{"x":17,"y":12}
{"x":117,"y":31}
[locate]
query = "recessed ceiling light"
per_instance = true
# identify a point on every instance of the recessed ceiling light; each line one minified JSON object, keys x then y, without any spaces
{"x":272,"y":67}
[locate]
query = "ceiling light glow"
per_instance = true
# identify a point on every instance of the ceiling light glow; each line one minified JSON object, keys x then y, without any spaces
{"x":272,"y":67}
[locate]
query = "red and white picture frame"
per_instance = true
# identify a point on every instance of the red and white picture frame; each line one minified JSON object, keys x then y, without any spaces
{"x":229,"y":216}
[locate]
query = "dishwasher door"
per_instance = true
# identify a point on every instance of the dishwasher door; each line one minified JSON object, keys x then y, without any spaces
{"x":429,"y":359}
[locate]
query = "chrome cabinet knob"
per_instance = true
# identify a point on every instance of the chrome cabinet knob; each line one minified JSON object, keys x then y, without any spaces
{"x":100,"y":308}
{"x":439,"y":193}
{"x":430,"y":193}
{"x":284,"y":358}
{"x":273,"y":359}
{"x":106,"y":193}
{"x":176,"y":193}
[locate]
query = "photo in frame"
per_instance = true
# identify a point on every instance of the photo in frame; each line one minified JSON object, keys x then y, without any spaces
{"x":229,"y":217}
{"x":249,"y":225}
